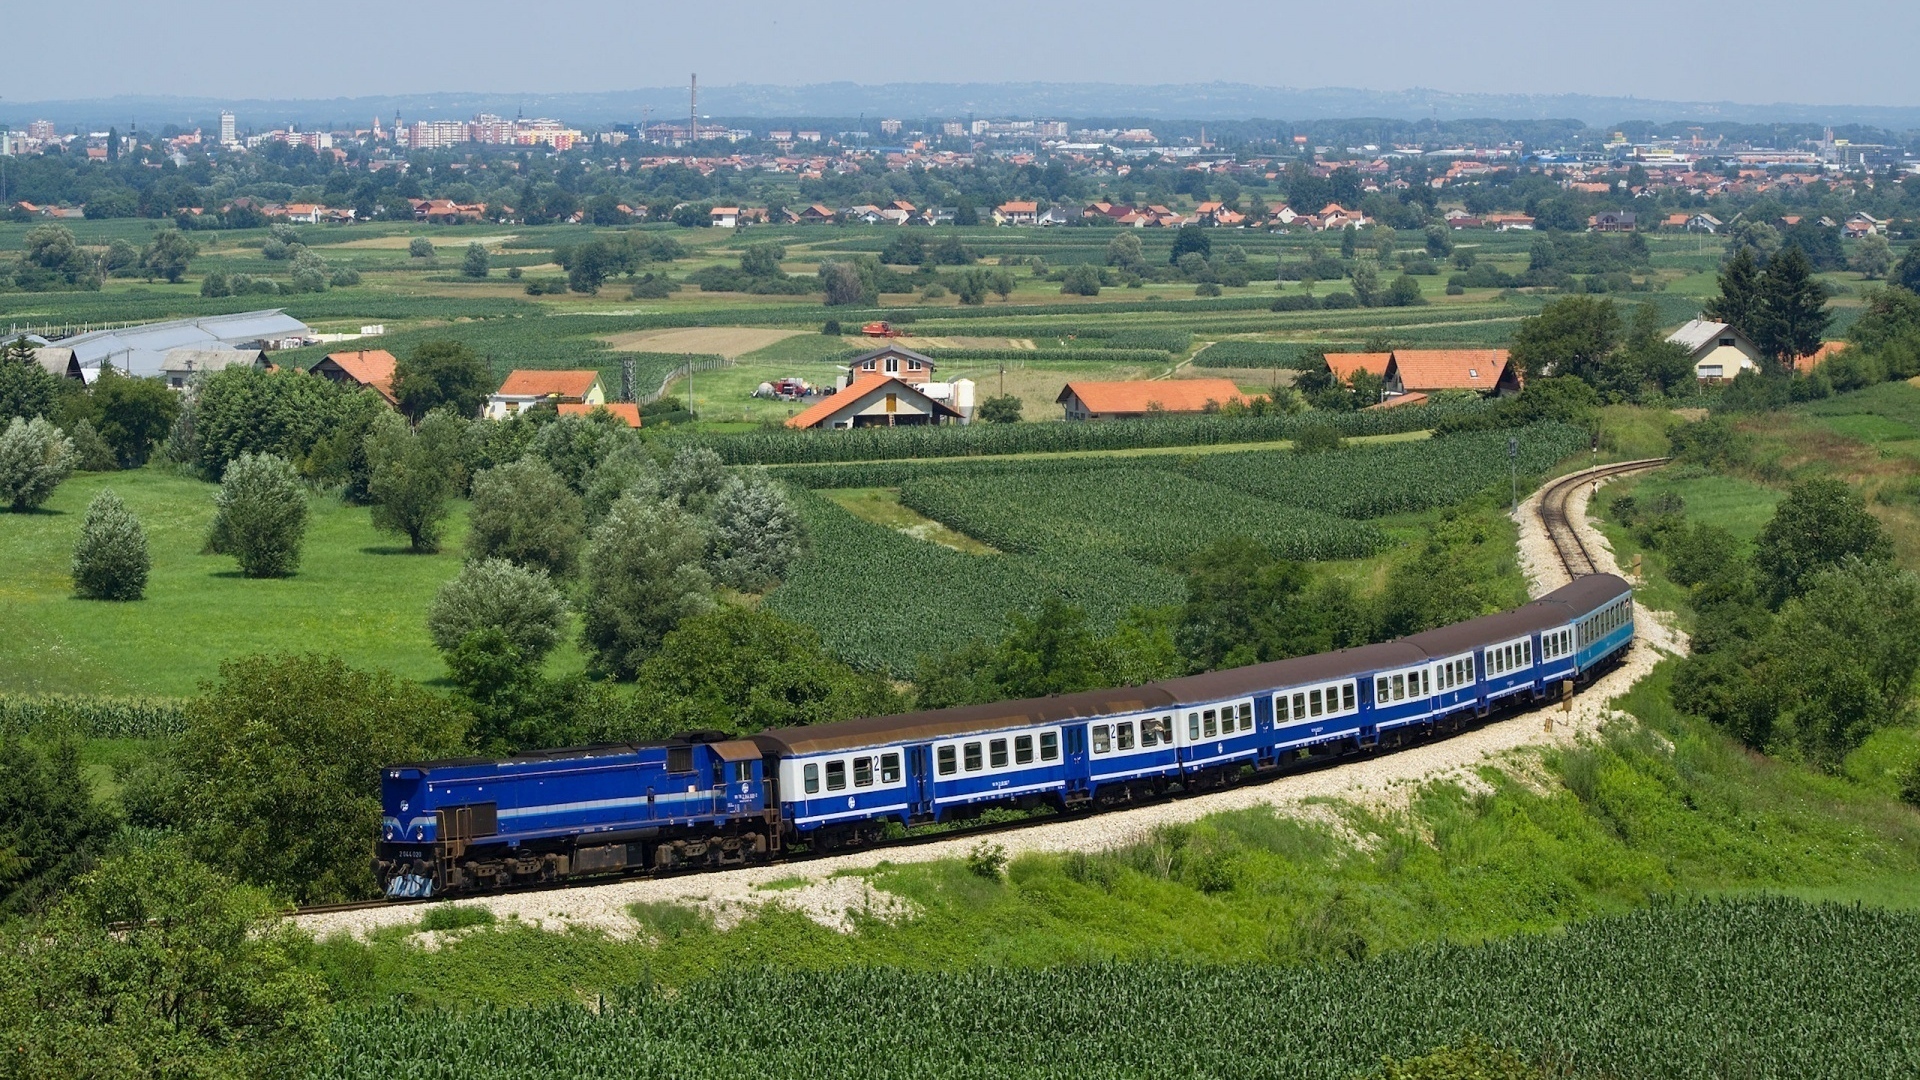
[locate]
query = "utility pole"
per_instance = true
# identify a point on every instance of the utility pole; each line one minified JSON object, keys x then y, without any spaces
{"x":1513,"y":465}
{"x":693,"y":120}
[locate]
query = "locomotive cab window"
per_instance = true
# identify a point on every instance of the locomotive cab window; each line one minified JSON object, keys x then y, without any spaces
{"x":997,"y":753}
{"x":863,"y":772}
{"x":1049,"y":746}
{"x":949,"y":763}
{"x":811,"y":774}
{"x":889,"y":768}
{"x":742,"y":771}
{"x":973,"y":756}
{"x":836,"y":775}
{"x":1023,"y":750}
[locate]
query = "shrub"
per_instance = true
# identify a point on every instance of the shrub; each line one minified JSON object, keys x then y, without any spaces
{"x":523,"y":512}
{"x":476,"y":263}
{"x":987,"y":860}
{"x":1318,"y":438}
{"x":642,"y":576}
{"x":1206,"y":288}
{"x":1004,"y":409}
{"x":420,"y":248}
{"x":110,"y":561}
{"x":34,"y":459}
{"x":757,"y":533}
{"x":260,"y":516}
{"x":1336,"y":300}
{"x":494,"y":594}
{"x":1295,"y":302}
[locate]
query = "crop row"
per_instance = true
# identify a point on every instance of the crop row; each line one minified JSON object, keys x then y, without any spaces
{"x":1153,"y":515}
{"x":1391,"y":478}
{"x":1267,"y":354}
{"x":881,"y":444}
{"x":1763,"y":989}
{"x":1083,"y":355}
{"x":881,"y":599}
{"x":90,"y":717}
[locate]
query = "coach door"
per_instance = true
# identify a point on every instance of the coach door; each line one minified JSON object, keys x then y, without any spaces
{"x":920,"y":781}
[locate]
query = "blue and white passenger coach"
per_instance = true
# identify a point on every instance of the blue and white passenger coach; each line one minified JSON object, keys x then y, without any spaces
{"x":705,"y":799}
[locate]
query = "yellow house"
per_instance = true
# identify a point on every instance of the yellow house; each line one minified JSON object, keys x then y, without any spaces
{"x":1716,"y":350}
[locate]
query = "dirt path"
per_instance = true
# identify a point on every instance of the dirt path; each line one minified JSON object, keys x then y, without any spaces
{"x":727,"y":341}
{"x":813,"y":888}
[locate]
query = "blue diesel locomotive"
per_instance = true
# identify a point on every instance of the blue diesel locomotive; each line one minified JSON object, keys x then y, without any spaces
{"x":704,"y":799}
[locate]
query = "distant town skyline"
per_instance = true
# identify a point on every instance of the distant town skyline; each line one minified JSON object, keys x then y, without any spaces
{"x":1759,"y":51}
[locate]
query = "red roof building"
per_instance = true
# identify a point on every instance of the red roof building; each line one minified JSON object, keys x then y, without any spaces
{"x":1427,"y":370}
{"x":526,"y":388}
{"x":1344,"y":365}
{"x":622,"y":410}
{"x":1127,"y":400}
{"x":875,"y":401}
{"x":371,"y":368}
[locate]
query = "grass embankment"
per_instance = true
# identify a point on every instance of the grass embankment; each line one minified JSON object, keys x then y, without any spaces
{"x":1668,"y":806}
{"x":357,"y":593}
{"x":1756,"y":988}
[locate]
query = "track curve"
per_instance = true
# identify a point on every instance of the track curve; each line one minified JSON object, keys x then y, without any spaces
{"x":1574,"y":555}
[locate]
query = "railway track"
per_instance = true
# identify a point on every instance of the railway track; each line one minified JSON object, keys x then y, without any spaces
{"x":1574,"y":556}
{"x":1554,"y":517}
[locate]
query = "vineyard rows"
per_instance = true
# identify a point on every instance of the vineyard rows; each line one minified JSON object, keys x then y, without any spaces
{"x":1761,"y":989}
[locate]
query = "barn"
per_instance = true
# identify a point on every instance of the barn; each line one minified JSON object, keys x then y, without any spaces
{"x":1130,"y":400}
{"x":876,"y":401}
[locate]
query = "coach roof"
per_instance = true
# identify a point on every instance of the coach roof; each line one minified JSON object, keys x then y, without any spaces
{"x":1298,"y":671}
{"x":963,"y":720}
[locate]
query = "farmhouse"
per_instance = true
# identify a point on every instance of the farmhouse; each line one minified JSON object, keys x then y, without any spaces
{"x":875,"y":401}
{"x":909,"y":366}
{"x":1425,"y":371}
{"x":372,"y":369}
{"x":1716,"y":350}
{"x":525,"y":389}
{"x":1128,"y":400}
{"x":1016,"y":213}
{"x":181,"y":365}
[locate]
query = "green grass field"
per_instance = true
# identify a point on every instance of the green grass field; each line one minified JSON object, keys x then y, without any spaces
{"x":357,"y":594}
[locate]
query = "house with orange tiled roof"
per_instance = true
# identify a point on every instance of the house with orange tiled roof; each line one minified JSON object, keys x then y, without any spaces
{"x":1827,"y":350}
{"x":1426,"y":371}
{"x":875,"y":401}
{"x":1144,"y":397}
{"x":1016,"y":212}
{"x":1345,"y":365}
{"x":625,"y":411}
{"x":525,"y":389}
{"x":369,"y":368}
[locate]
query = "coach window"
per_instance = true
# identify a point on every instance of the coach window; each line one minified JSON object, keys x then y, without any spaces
{"x":1149,"y":732}
{"x":948,"y":764}
{"x":1526,"y":652}
{"x":1347,"y":698}
{"x":863,"y":772}
{"x":1399,"y":688}
{"x":1381,"y":694}
{"x":812,"y":775}
{"x":1193,"y":726}
{"x":1049,"y":746}
{"x":1102,"y":739}
{"x":1246,"y":716}
{"x":997,"y":753}
{"x":973,"y":756}
{"x":836,"y":775}
{"x":1023,"y":750}
{"x":1166,"y":730}
{"x":889,"y":768}
{"x":1279,"y":708}
{"x":1209,"y":723}
{"x":1313,"y":703}
{"x":1123,"y":735}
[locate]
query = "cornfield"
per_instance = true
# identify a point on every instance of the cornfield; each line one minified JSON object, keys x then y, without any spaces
{"x":915,"y":598}
{"x":1393,"y":478}
{"x":1152,"y":515}
{"x":882,"y":444}
{"x":91,"y":717}
{"x":1764,"y":988}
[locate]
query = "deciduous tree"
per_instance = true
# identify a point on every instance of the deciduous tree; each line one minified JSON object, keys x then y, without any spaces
{"x":260,"y":516}
{"x":110,"y":559}
{"x":34,"y":459}
{"x":642,"y":576}
{"x":442,"y":374}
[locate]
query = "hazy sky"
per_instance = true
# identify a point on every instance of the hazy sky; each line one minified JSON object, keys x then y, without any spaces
{"x":1763,"y":51}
